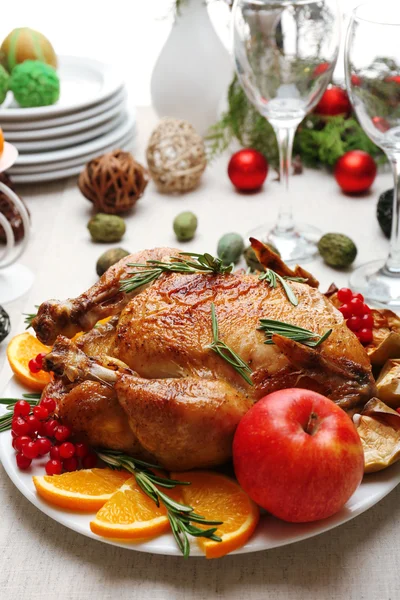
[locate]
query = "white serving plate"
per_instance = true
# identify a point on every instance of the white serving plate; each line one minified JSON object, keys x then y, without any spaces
{"x":68,"y":129}
{"x":63,"y":164}
{"x":67,"y":141}
{"x":270,"y":532}
{"x":73,"y":119}
{"x":84,"y":82}
{"x":80,"y":149}
{"x":60,"y":171}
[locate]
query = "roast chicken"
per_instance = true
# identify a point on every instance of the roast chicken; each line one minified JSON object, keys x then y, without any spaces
{"x":148,"y":382}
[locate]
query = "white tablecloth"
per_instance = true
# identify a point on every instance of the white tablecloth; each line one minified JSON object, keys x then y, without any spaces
{"x":42,"y":560}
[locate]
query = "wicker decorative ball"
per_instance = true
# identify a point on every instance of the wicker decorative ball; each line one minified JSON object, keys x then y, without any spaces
{"x":176,"y":156}
{"x":114,"y":182}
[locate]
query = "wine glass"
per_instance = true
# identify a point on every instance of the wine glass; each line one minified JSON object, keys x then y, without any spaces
{"x":285,"y":53}
{"x":15,"y":279}
{"x":372,"y":65}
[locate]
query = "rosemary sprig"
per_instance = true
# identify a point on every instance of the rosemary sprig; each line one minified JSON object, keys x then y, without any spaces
{"x":272,"y":279}
{"x":6,"y":419}
{"x":152,"y":269}
{"x":225,"y":352}
{"x":181,"y":516}
{"x":29,"y":318}
{"x":293,"y":332}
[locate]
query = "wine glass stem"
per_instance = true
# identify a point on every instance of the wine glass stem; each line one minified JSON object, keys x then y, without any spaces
{"x":285,"y":136}
{"x":393,"y":261}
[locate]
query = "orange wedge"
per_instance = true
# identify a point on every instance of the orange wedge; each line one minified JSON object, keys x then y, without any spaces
{"x":20,"y":350}
{"x":1,"y":141}
{"x":101,"y":322}
{"x":219,"y":498}
{"x":85,"y":490}
{"x":131,"y":514}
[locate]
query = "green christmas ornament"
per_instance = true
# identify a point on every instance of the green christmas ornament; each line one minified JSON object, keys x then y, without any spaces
{"x":23,"y":44}
{"x":337,"y":250}
{"x":230,"y":248}
{"x":35,"y":84}
{"x":4,"y":83}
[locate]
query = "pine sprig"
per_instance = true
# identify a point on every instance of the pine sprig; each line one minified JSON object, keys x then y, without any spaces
{"x":322,"y":141}
{"x":151,"y":270}
{"x":6,"y":419}
{"x":29,"y":318}
{"x":292,"y":332}
{"x":226,"y":352}
{"x":181,"y":516}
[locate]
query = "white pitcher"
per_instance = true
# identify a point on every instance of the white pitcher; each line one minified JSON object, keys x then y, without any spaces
{"x":193,"y":70}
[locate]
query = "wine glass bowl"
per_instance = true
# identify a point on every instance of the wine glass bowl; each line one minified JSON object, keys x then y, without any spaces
{"x":372,"y":67}
{"x":285,"y":53}
{"x":15,"y":279}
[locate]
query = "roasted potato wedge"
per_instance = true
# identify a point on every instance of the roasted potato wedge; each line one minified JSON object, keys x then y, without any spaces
{"x":386,"y":337}
{"x":379,"y":429}
{"x":388,"y":383}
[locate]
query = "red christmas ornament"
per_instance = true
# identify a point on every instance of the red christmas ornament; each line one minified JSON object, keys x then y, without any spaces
{"x":334,"y":101}
{"x":247,"y":169}
{"x":321,"y":69}
{"x":355,"y":171}
{"x":381,"y":124}
{"x":393,"y":79}
{"x":356,"y":80}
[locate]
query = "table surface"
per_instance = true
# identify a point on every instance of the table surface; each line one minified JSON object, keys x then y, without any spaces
{"x":40,"y":558}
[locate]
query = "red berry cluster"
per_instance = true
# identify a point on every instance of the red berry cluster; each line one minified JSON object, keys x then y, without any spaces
{"x":357,"y":314}
{"x":35,"y":364}
{"x":37,"y":433}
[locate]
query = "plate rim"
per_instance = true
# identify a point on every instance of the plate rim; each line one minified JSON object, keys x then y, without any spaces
{"x":63,"y":172}
{"x":60,"y":515}
{"x":75,"y":118}
{"x":113,"y":83}
{"x":39,"y":158}
{"x":66,"y":141}
{"x":60,"y":131}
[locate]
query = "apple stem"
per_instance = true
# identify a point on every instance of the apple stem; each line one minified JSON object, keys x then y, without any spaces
{"x":311,"y":426}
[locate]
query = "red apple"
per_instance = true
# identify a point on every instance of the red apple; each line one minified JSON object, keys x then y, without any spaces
{"x":298,"y":455}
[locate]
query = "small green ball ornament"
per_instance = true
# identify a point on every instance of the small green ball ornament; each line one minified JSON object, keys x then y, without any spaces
{"x":106,"y":228}
{"x":185,"y":225}
{"x":230,"y":248}
{"x":337,"y":250}
{"x":4,"y":83}
{"x":109,"y":258}
{"x":34,"y":83}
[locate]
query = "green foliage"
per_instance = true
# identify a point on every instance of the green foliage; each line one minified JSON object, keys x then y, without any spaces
{"x":319,"y":140}
{"x":178,"y":5}
{"x":322,"y":141}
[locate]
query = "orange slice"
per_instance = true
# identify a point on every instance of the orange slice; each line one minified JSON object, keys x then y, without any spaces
{"x":20,"y":350}
{"x":219,"y":498}
{"x":1,"y":141}
{"x":131,"y":514}
{"x":101,"y":322}
{"x":85,"y":490}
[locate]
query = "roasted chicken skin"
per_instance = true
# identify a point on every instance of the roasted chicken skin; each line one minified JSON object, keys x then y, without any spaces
{"x":181,"y":401}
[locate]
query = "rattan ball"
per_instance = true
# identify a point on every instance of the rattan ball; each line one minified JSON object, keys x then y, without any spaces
{"x":176,"y":156}
{"x":114,"y":182}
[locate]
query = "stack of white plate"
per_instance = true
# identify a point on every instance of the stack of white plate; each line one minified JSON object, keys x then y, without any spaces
{"x":89,"y":119}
